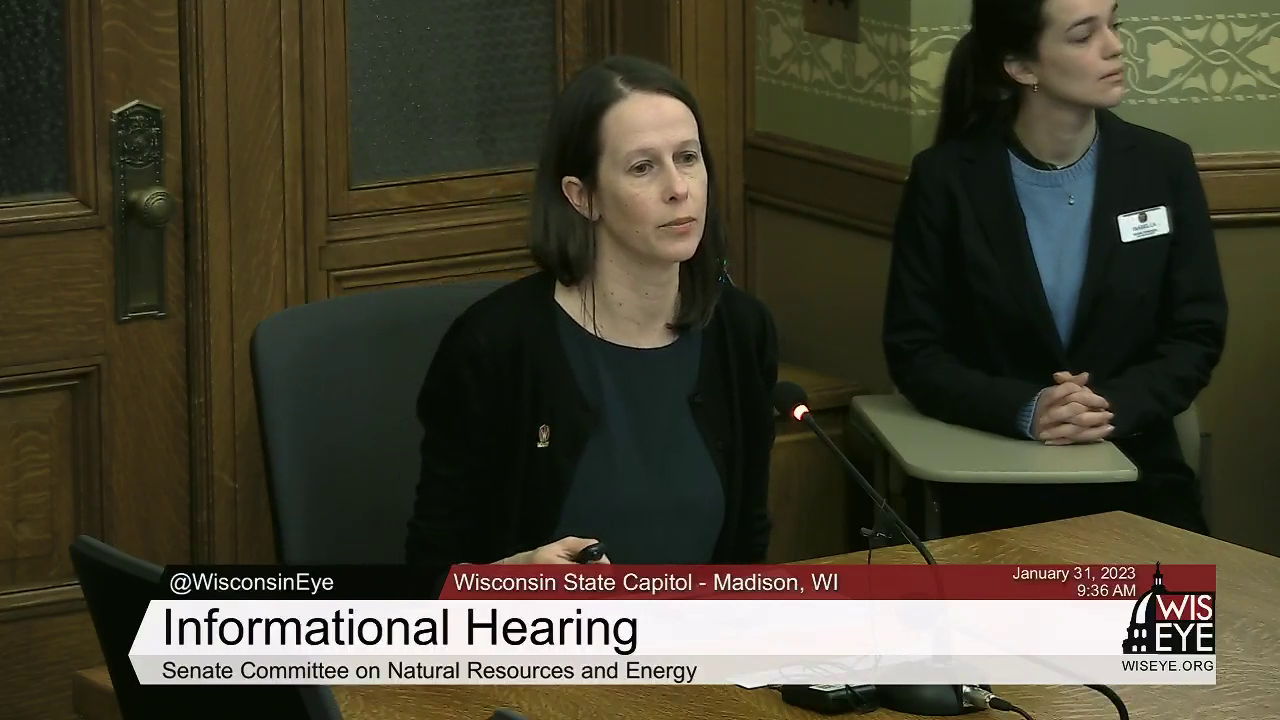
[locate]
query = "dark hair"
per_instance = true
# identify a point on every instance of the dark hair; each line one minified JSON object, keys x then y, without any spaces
{"x":560,"y":239}
{"x":977,"y":88}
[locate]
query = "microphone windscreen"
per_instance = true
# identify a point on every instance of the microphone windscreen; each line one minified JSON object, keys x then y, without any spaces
{"x":787,"y":395}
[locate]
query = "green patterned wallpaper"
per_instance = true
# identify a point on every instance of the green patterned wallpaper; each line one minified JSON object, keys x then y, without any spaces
{"x":1211,"y":79}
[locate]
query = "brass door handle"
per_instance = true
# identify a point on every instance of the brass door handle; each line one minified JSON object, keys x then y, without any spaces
{"x":152,"y":206}
{"x":143,"y":208}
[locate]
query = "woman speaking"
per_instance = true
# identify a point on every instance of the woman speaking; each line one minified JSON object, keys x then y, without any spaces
{"x":622,"y":393}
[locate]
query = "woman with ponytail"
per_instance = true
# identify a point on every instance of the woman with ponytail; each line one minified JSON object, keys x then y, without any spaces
{"x":1054,"y":274}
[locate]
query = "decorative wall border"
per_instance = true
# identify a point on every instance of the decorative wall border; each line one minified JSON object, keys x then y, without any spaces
{"x":874,"y":73}
{"x":1173,"y":59}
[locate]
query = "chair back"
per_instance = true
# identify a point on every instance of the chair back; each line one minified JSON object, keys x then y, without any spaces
{"x":1187,"y":426}
{"x":337,"y":383}
{"x":118,"y":588}
{"x":1192,"y":441}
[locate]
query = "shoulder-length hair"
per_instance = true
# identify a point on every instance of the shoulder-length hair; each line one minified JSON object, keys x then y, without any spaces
{"x":561,"y":240}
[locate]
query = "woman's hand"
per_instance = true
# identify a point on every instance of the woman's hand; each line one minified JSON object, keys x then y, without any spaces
{"x":560,"y":552}
{"x":1070,"y":412}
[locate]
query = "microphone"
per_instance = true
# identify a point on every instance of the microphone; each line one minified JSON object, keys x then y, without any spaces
{"x":930,"y":700}
{"x":790,"y":399}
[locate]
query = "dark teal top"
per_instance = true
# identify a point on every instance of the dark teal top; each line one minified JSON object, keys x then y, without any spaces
{"x":646,"y":485}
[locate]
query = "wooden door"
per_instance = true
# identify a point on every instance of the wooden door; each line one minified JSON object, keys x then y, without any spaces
{"x":423,"y":130}
{"x":93,"y":363}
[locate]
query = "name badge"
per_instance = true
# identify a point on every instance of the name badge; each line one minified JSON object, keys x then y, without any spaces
{"x":1144,"y":224}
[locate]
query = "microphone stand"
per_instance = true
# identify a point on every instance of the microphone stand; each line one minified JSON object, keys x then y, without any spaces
{"x":929,"y":700}
{"x":883,"y":510}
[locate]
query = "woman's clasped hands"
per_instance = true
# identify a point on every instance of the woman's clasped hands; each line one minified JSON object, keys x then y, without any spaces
{"x":1069,"y":412}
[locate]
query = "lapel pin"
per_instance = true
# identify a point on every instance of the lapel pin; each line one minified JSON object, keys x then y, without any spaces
{"x":544,"y":436}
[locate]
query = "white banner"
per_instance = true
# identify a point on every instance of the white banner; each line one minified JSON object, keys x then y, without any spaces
{"x":660,"y":642}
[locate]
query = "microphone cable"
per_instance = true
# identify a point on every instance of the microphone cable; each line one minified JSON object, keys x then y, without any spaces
{"x":982,"y":698}
{"x":1114,"y":697}
{"x":999,"y":703}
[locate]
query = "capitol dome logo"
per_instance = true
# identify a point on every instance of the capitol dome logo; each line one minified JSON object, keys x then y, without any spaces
{"x":1171,"y":623}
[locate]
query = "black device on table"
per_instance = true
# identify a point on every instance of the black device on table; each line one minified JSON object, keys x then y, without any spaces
{"x":831,"y":699}
{"x":590,"y":553}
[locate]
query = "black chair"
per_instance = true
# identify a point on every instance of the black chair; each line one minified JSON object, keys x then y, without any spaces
{"x":117,"y":589}
{"x":337,"y":383}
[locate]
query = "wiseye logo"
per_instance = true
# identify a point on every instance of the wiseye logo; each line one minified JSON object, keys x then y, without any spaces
{"x":1172,"y":623}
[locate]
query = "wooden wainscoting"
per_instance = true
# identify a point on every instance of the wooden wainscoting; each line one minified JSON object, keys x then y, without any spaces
{"x":864,"y":194}
{"x":817,"y":182}
{"x":1243,"y":188}
{"x":816,"y":508}
{"x":505,"y":264}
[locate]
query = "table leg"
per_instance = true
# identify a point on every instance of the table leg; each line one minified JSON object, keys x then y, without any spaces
{"x":897,"y":486}
{"x":890,"y":483}
{"x":879,"y":523}
{"x":881,"y":479}
{"x":932,"y":513}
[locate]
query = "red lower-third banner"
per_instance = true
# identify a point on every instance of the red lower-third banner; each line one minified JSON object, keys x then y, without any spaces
{"x":826,"y":582}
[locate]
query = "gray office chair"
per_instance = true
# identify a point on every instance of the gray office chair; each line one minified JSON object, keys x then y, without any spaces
{"x":337,"y":383}
{"x":117,"y":588}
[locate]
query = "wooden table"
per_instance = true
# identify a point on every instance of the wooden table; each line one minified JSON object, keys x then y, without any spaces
{"x":1248,"y":630}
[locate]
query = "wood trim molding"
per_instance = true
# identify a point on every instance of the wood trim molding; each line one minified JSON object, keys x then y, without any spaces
{"x":508,"y":233}
{"x":242,"y":85}
{"x":203,"y":33}
{"x":637,"y":28}
{"x":709,"y":51}
{"x":509,"y":264}
{"x":810,"y":180}
{"x":1243,"y":188}
{"x":864,"y":194}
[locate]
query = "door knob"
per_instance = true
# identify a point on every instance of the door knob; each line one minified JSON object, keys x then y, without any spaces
{"x":152,"y":206}
{"x":143,"y":207}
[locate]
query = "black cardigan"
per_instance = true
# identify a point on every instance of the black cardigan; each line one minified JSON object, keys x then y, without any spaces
{"x":488,"y":491}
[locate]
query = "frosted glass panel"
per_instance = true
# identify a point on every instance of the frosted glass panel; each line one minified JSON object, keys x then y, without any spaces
{"x":34,"y":146}
{"x":447,"y":86}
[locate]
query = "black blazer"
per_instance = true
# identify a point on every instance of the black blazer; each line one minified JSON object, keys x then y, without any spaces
{"x":487,"y":491}
{"x":968,"y":334}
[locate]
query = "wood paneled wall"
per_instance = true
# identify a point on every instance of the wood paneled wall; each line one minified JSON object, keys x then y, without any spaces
{"x":863,"y":194}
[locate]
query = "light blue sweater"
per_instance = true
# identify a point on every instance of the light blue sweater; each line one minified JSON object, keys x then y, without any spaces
{"x":1058,"y":206}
